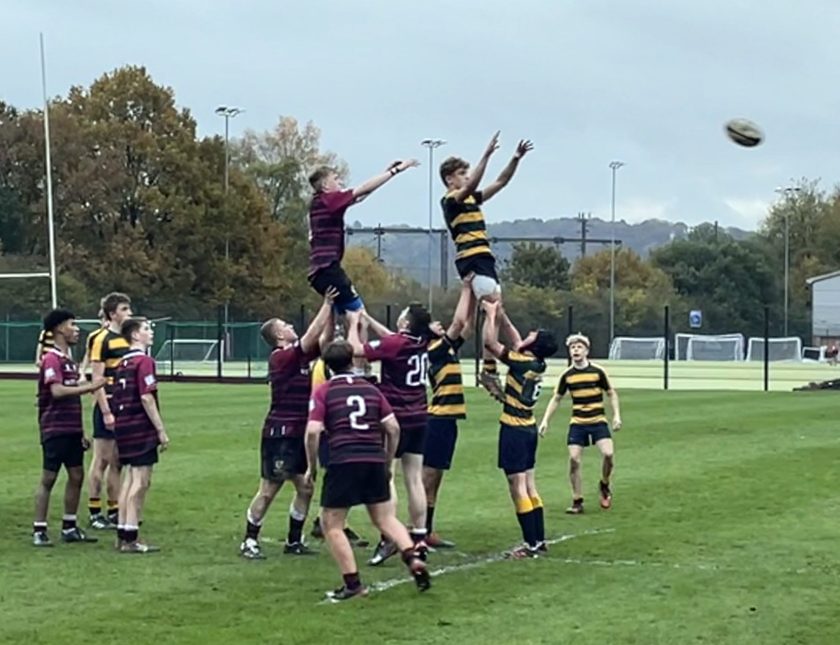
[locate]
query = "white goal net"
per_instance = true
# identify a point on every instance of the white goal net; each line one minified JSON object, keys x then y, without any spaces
{"x":637,"y":348}
{"x":780,"y":349}
{"x":192,"y":350}
{"x":699,"y":347}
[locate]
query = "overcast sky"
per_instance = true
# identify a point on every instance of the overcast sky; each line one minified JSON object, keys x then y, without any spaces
{"x":648,"y":82}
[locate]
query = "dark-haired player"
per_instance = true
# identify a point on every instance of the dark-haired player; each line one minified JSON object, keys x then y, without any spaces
{"x":282,"y":452}
{"x":107,"y":349}
{"x":363,"y":434}
{"x":405,"y":365}
{"x":326,"y":230}
{"x":465,"y":221}
{"x":586,"y":383}
{"x":518,"y":428}
{"x":63,"y":441}
{"x":139,"y":430}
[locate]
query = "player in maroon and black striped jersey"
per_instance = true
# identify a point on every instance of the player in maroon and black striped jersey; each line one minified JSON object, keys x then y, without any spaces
{"x":363,"y":434}
{"x":405,"y":362}
{"x":326,"y":230}
{"x":139,"y":430}
{"x":282,"y":453}
{"x":63,"y":441}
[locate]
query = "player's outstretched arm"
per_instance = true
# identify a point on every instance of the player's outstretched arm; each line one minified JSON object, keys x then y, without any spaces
{"x":477,"y":173}
{"x":462,"y":320}
{"x":375,"y":326}
{"x":323,"y":318}
{"x":354,"y":319}
{"x":506,"y":175}
{"x":363,"y":190}
{"x":507,"y":328}
{"x":491,"y":341}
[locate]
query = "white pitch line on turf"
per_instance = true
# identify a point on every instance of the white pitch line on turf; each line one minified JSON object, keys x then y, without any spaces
{"x":384,"y":585}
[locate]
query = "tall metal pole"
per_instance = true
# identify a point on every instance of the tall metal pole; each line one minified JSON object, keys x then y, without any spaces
{"x":227,"y":113}
{"x":431,"y":144}
{"x":614,"y":166}
{"x":790,"y":193}
{"x":48,"y":162}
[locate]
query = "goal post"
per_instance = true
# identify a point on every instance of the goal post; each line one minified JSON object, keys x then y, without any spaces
{"x":637,"y":348}
{"x":780,"y":349}
{"x":720,"y":347}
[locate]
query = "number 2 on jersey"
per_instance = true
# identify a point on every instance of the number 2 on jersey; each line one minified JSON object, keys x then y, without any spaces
{"x":357,"y":404}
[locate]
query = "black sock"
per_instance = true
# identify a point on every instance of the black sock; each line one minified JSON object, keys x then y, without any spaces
{"x":383,"y":538}
{"x":113,"y":511}
{"x":430,"y":518}
{"x":527,"y":521}
{"x":39,"y":527}
{"x":121,"y":534}
{"x":489,"y":366}
{"x":417,"y":535}
{"x":295,"y":530}
{"x":67,"y":523}
{"x":352,"y":581}
{"x":577,"y":501}
{"x":252,"y":530}
{"x":539,"y":521}
{"x":95,"y":506}
{"x":130,"y":535}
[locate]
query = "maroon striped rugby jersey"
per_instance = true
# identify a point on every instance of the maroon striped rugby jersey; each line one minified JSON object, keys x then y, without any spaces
{"x":58,"y":416}
{"x":352,"y":411}
{"x":290,"y":378}
{"x":326,"y":228}
{"x":135,"y":376}
{"x":405,"y":366}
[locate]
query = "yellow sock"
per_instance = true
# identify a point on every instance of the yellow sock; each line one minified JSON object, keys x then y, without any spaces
{"x":524,"y":505}
{"x":537,"y":502}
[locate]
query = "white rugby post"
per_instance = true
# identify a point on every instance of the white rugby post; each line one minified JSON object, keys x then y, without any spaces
{"x":48,"y":162}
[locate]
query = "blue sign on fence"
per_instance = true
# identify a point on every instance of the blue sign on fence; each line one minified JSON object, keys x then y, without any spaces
{"x":695,"y":318}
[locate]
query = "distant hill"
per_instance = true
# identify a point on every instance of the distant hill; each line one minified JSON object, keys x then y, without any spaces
{"x":410,"y":252}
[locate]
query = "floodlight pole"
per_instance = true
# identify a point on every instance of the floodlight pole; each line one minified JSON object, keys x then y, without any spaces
{"x":227,"y":113}
{"x":614,"y":166}
{"x":431,"y":144}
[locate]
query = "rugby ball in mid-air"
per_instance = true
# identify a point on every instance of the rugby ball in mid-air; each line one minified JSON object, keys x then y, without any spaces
{"x":744,"y":132}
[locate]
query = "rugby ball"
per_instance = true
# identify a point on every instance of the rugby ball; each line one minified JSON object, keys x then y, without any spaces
{"x":744,"y":132}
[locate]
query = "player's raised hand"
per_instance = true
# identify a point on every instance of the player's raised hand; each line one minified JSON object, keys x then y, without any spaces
{"x":493,"y":145}
{"x":409,"y":163}
{"x":436,"y":328}
{"x":524,"y":147}
{"x":491,"y":307}
{"x":331,"y":294}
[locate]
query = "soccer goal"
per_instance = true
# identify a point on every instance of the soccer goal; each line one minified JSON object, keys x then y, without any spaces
{"x":191,"y":350}
{"x":722,"y":347}
{"x":637,"y":348}
{"x":781,"y":349}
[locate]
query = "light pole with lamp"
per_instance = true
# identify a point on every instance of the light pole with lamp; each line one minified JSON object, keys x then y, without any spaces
{"x":227,"y":113}
{"x":431,"y":144}
{"x":614,"y":166}
{"x":790,"y":193}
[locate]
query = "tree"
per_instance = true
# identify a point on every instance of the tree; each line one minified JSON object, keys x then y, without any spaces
{"x":537,"y":265}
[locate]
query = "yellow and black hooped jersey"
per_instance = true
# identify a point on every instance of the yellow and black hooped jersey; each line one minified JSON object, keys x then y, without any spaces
{"x":46,"y":339}
{"x":320,"y":373}
{"x":466,"y":225}
{"x":522,"y":388}
{"x":108,"y":348}
{"x":91,"y":339}
{"x":446,"y":379}
{"x":586,"y":385}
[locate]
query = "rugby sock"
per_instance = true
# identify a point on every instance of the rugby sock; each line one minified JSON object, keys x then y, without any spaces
{"x":537,"y":503}
{"x":130,"y":533}
{"x":95,"y":506}
{"x":409,"y":555}
{"x":120,"y":533}
{"x":39,"y":527}
{"x":296,"y":520}
{"x":430,"y":519}
{"x":113,"y":510}
{"x":68,"y":523}
{"x":527,"y":520}
{"x":252,"y":527}
{"x":417,"y":535}
{"x":489,"y":366}
{"x":352,"y":581}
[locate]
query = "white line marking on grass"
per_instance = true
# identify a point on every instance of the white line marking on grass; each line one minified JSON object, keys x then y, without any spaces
{"x":384,"y":585}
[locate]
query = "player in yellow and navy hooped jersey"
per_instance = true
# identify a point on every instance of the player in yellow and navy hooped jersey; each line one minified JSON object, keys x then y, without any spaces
{"x":586,"y":382}
{"x":518,"y":427}
{"x":465,"y":221}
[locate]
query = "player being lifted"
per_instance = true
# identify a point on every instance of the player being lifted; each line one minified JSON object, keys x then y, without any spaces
{"x":63,"y":441}
{"x":465,"y":221}
{"x":107,"y":349}
{"x":518,"y":428}
{"x":326,"y":230}
{"x":363,"y":434}
{"x":282,"y":452}
{"x":586,"y":383}
{"x":404,"y":371}
{"x":446,"y":408}
{"x":139,"y":430}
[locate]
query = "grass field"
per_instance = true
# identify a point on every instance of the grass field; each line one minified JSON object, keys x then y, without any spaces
{"x":724,"y":530}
